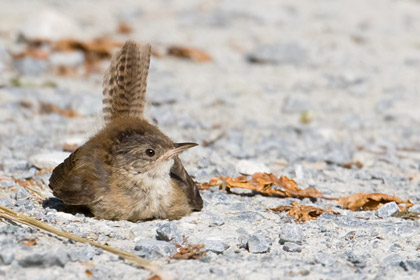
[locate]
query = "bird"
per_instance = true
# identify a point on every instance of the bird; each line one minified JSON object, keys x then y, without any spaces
{"x":129,"y":170}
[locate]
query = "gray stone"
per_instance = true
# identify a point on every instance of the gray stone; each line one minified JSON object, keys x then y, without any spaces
{"x":44,"y":259}
{"x":29,"y":66}
{"x":392,"y":260}
{"x":215,"y":220}
{"x":259,"y":243}
{"x":388,"y":210}
{"x":5,"y":202}
{"x":358,"y":260}
{"x":21,"y":193}
{"x":169,"y":232}
{"x":7,"y":256}
{"x":250,"y":216}
{"x":410,"y":265}
{"x":151,"y":248}
{"x":325,"y":259}
{"x":288,"y":53}
{"x":291,"y":233}
{"x":84,"y":254}
{"x":292,"y":247}
{"x":215,"y":245}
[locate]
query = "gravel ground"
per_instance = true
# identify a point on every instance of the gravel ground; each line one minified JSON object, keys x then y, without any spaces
{"x":297,"y":88}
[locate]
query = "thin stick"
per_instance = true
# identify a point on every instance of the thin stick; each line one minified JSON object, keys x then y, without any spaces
{"x":9,"y":214}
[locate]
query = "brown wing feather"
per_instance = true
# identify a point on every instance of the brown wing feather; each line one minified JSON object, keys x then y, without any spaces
{"x":179,"y":173}
{"x":76,"y":182}
{"x":125,"y":82}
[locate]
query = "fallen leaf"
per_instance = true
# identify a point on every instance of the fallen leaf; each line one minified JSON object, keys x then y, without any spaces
{"x":189,"y":53}
{"x":89,"y":273}
{"x":302,"y":213}
{"x":29,"y":243}
{"x":190,"y":252}
{"x":371,"y":201}
{"x":265,"y":183}
{"x":48,"y":108}
{"x":124,"y":28}
{"x":154,"y":277}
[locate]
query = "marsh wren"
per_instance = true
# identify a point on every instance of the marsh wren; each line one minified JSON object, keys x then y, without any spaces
{"x":129,"y":170}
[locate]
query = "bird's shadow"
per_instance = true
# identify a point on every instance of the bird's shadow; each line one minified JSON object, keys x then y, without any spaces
{"x":60,"y":206}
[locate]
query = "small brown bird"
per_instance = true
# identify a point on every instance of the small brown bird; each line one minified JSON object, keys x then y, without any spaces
{"x":129,"y":170}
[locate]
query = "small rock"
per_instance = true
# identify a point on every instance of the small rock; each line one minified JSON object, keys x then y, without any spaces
{"x":325,"y":259}
{"x":29,"y":66}
{"x":216,"y":220}
{"x":151,"y":248}
{"x":84,"y":254}
{"x":5,"y":202}
{"x":21,"y":193}
{"x":289,"y":53}
{"x":250,"y":216}
{"x":169,"y":232}
{"x":215,"y":245}
{"x":410,"y":265}
{"x":357,"y":260}
{"x":7,"y":256}
{"x":48,"y":160}
{"x":250,"y":167}
{"x":292,"y":247}
{"x":291,"y":233}
{"x":392,"y":260}
{"x":258,"y":243}
{"x":45,"y":259}
{"x":388,"y":210}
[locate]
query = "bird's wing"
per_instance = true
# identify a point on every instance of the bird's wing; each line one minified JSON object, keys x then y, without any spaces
{"x":77,"y":183}
{"x":179,"y":173}
{"x":125,"y":82}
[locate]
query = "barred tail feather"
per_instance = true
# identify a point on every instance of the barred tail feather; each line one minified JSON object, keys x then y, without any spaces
{"x":125,"y":82}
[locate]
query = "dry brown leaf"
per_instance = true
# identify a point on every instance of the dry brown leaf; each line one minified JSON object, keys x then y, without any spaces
{"x":124,"y":28}
{"x":265,"y":183}
{"x":189,"y":53}
{"x":29,"y":243}
{"x":192,"y":251}
{"x":48,"y":108}
{"x":302,"y":213}
{"x":154,"y":277}
{"x":89,"y":273}
{"x":371,"y":201}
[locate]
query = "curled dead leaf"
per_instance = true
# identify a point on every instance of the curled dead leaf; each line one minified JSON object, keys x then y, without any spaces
{"x":265,"y":183}
{"x":302,"y":213}
{"x":371,"y":201}
{"x":192,"y":251}
{"x":189,"y":53}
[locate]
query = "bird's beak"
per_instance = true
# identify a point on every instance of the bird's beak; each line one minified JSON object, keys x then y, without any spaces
{"x":178,"y":148}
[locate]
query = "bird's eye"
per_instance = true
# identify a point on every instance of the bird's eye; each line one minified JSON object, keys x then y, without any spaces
{"x":150,"y":152}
